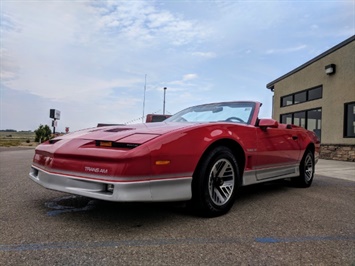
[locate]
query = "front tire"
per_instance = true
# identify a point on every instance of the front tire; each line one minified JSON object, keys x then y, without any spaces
{"x":215,"y":183}
{"x":306,"y":171}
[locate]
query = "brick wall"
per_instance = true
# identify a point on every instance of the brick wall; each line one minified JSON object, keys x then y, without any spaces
{"x":338,"y":152}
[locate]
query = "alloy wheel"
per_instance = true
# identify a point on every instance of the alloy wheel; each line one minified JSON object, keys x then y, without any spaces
{"x":221,"y":182}
{"x":308,"y":168}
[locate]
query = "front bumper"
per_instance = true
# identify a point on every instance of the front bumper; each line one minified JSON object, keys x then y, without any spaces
{"x":162,"y":189}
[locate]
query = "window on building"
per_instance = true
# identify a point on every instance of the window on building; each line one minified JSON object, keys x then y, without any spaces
{"x":309,"y":119}
{"x":314,"y":121}
{"x":302,"y":96}
{"x":287,"y":100}
{"x":349,"y":120}
{"x":286,"y":119}
{"x":299,"y":119}
{"x":315,"y":93}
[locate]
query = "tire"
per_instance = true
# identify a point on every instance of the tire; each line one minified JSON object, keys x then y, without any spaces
{"x":306,"y":171}
{"x":215,"y":182}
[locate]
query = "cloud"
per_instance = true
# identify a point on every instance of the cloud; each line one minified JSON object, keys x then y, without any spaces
{"x":142,"y":21}
{"x":182,"y":83}
{"x":206,"y":55}
{"x":287,"y":50}
{"x":8,"y":69}
{"x":91,"y":57}
{"x":314,"y":27}
{"x":189,"y":77}
{"x":71,"y":90}
{"x":93,"y":47}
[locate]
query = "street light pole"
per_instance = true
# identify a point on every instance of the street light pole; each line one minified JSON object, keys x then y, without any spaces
{"x":164,"y":101}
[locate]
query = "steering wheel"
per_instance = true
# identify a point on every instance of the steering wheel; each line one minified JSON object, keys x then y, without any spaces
{"x":230,"y":119}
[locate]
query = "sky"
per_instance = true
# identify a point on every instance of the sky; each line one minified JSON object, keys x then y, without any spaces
{"x":103,"y":61}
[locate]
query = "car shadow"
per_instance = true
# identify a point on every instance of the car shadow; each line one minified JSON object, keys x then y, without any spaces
{"x":133,"y":212}
{"x":263,"y":189}
{"x":127,"y":214}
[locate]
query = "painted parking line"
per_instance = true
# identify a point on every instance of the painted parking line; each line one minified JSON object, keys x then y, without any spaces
{"x":303,"y":239}
{"x":164,"y":242}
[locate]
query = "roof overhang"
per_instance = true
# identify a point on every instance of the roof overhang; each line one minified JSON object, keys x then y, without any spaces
{"x":271,"y":85}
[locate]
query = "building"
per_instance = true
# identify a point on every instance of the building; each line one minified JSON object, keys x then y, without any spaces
{"x":320,"y":96}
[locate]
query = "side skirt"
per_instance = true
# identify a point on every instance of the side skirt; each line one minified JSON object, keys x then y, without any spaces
{"x":270,"y":174}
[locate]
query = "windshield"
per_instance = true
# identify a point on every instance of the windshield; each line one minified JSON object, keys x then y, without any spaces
{"x":238,"y":112}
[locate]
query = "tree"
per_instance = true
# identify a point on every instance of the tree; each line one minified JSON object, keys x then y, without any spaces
{"x":43,"y":133}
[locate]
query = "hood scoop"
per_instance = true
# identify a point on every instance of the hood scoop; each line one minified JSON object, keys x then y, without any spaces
{"x":118,"y":129}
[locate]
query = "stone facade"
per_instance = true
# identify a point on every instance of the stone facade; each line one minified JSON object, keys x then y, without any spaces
{"x":338,"y":152}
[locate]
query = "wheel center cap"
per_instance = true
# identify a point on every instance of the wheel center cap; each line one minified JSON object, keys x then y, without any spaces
{"x":219,"y":181}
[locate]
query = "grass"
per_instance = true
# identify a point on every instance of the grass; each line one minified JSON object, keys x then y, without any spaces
{"x":22,"y":138}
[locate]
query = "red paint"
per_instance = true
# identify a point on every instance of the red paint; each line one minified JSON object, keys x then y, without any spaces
{"x":183,"y":144}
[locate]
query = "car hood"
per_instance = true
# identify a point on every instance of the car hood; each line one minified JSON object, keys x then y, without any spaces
{"x":137,"y":133}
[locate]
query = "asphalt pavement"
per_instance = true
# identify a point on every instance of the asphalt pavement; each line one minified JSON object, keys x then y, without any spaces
{"x":269,"y":224}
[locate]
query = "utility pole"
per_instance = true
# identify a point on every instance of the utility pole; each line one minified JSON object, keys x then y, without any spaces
{"x":164,"y":101}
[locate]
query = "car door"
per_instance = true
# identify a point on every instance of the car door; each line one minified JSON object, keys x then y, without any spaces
{"x":278,"y":152}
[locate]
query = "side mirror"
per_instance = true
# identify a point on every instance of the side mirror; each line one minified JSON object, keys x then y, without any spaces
{"x":266,"y":122}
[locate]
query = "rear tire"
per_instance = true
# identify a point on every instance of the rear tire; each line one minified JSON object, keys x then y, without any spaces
{"x":306,"y":171}
{"x":215,"y":183}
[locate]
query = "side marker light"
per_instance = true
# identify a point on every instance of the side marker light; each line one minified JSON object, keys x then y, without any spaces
{"x":166,"y":162}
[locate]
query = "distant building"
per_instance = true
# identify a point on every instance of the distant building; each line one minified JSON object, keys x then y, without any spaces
{"x":320,"y":96}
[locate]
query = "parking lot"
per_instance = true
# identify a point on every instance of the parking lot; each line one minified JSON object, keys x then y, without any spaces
{"x":270,"y":224}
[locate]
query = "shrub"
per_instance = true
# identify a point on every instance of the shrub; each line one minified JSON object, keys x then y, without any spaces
{"x":43,"y":133}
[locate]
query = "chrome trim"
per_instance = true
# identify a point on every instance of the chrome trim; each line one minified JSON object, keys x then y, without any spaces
{"x":170,"y":189}
{"x":249,"y":178}
{"x":275,"y":172}
{"x":269,"y":174}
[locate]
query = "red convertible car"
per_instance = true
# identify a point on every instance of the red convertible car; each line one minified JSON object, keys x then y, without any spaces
{"x":200,"y":155}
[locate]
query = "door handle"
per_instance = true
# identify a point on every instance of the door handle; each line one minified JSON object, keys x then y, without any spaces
{"x":295,"y":137}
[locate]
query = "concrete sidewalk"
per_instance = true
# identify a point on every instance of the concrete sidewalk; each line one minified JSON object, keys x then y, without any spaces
{"x":336,"y":169}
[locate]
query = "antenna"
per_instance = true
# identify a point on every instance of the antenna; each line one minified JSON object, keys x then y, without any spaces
{"x":164,"y":101}
{"x":145,"y":88}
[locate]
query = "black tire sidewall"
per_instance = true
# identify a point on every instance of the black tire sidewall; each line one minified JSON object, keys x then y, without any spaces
{"x":201,"y":190}
{"x":302,"y":178}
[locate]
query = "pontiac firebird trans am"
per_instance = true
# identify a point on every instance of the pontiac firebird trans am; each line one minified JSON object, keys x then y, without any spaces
{"x":200,"y":155}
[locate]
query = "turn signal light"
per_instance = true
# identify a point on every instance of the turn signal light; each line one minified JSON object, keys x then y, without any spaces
{"x":166,"y":162}
{"x":106,"y":143}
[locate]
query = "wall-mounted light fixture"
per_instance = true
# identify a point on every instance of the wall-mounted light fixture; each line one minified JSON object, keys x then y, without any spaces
{"x":330,"y":69}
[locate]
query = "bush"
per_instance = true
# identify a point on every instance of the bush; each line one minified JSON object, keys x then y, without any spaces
{"x":43,"y":133}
